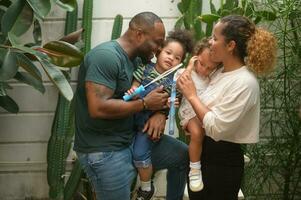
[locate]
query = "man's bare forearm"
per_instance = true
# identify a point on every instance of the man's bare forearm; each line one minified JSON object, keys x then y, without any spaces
{"x":102,"y":105}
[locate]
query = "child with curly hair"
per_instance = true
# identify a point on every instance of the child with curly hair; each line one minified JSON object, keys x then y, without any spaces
{"x":173,"y":52}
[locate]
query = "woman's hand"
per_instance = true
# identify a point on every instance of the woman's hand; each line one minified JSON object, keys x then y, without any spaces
{"x":185,"y":83}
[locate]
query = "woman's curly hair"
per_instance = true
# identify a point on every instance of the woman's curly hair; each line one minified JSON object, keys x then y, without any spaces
{"x":255,"y":46}
{"x":184,"y":37}
{"x":261,"y":51}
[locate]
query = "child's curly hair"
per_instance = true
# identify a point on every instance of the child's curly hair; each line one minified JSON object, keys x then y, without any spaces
{"x":184,"y":37}
{"x":201,"y":46}
{"x":256,"y":46}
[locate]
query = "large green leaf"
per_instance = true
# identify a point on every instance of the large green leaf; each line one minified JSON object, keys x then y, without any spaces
{"x":192,"y":12}
{"x":179,"y":22}
{"x":31,"y":51}
{"x":23,"y":22}
{"x":11,"y":15}
{"x":5,"y":101}
{"x":62,"y":53}
{"x":198,"y":30}
{"x":69,"y":5}
{"x":14,"y":40}
{"x":28,"y":65}
{"x":9,"y":64}
{"x":73,"y":37}
{"x":212,"y":8}
{"x":9,"y":104}
{"x":40,"y":7}
{"x":183,"y":5}
{"x":209,"y":28}
{"x":209,"y":18}
{"x":58,"y":78}
{"x":30,"y":80}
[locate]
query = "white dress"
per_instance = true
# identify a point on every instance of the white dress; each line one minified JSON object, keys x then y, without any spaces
{"x":186,"y":111}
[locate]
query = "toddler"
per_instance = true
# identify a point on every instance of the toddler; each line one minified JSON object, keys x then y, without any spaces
{"x":172,"y":53}
{"x":203,"y":68}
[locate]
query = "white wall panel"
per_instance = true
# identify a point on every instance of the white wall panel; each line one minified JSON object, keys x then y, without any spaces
{"x":127,"y":8}
{"x":102,"y":29}
{"x":25,"y":127}
{"x":31,"y":100}
{"x":23,"y":185}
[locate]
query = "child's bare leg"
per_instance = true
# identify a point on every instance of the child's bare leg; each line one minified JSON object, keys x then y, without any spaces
{"x":145,"y":174}
{"x":147,"y":189}
{"x":194,"y":127}
{"x":195,"y":149}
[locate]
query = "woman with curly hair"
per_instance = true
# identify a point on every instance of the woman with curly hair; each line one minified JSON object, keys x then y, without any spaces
{"x":229,"y":108}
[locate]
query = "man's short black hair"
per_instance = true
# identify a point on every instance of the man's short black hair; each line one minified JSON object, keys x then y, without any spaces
{"x":144,"y":21}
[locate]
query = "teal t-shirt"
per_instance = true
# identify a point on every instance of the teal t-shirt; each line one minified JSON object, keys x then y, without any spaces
{"x":109,"y":65}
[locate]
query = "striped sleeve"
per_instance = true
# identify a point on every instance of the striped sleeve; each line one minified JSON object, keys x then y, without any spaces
{"x":138,"y":73}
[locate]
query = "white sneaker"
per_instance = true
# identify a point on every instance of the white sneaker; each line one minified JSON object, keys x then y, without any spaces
{"x":195,"y":180}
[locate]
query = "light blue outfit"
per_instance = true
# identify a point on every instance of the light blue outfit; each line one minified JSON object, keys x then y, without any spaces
{"x":143,"y":144}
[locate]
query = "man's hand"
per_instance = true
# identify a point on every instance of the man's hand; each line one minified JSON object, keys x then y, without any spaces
{"x":155,"y":126}
{"x":156,"y":99}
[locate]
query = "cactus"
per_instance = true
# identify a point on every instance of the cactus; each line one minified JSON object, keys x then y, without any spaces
{"x":77,"y":172}
{"x":59,"y":147}
{"x":117,"y":27}
{"x":73,"y":180}
{"x":62,"y":133}
{"x":87,"y":24}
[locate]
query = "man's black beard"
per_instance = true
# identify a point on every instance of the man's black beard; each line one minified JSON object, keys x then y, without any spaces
{"x":145,"y":60}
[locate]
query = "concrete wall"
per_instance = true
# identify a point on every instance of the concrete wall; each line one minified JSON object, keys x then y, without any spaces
{"x":24,"y":136}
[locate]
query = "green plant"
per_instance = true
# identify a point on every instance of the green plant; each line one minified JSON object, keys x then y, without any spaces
{"x":274,"y":171}
{"x":16,"y":19}
{"x":276,"y":161}
{"x":62,"y":132}
{"x":202,"y":23}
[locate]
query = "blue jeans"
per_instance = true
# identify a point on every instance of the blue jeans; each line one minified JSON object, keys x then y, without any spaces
{"x":142,"y":150}
{"x":112,"y":173}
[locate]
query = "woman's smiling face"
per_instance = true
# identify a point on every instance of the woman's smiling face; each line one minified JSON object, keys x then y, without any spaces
{"x":218,"y":45}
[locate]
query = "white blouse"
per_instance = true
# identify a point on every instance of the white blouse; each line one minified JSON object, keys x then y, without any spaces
{"x":233,"y":98}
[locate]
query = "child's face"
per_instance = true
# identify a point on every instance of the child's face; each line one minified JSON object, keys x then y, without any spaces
{"x":170,"y":56}
{"x":204,"y":66}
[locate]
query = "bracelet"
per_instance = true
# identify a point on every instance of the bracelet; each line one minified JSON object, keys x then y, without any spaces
{"x":145,"y":107}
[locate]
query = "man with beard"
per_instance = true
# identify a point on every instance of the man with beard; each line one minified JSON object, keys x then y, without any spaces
{"x":104,"y":122}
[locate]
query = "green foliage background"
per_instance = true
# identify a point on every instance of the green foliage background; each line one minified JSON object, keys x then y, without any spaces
{"x":274,"y":171}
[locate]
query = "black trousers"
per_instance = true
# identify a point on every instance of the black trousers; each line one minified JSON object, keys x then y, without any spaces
{"x":222,"y":171}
